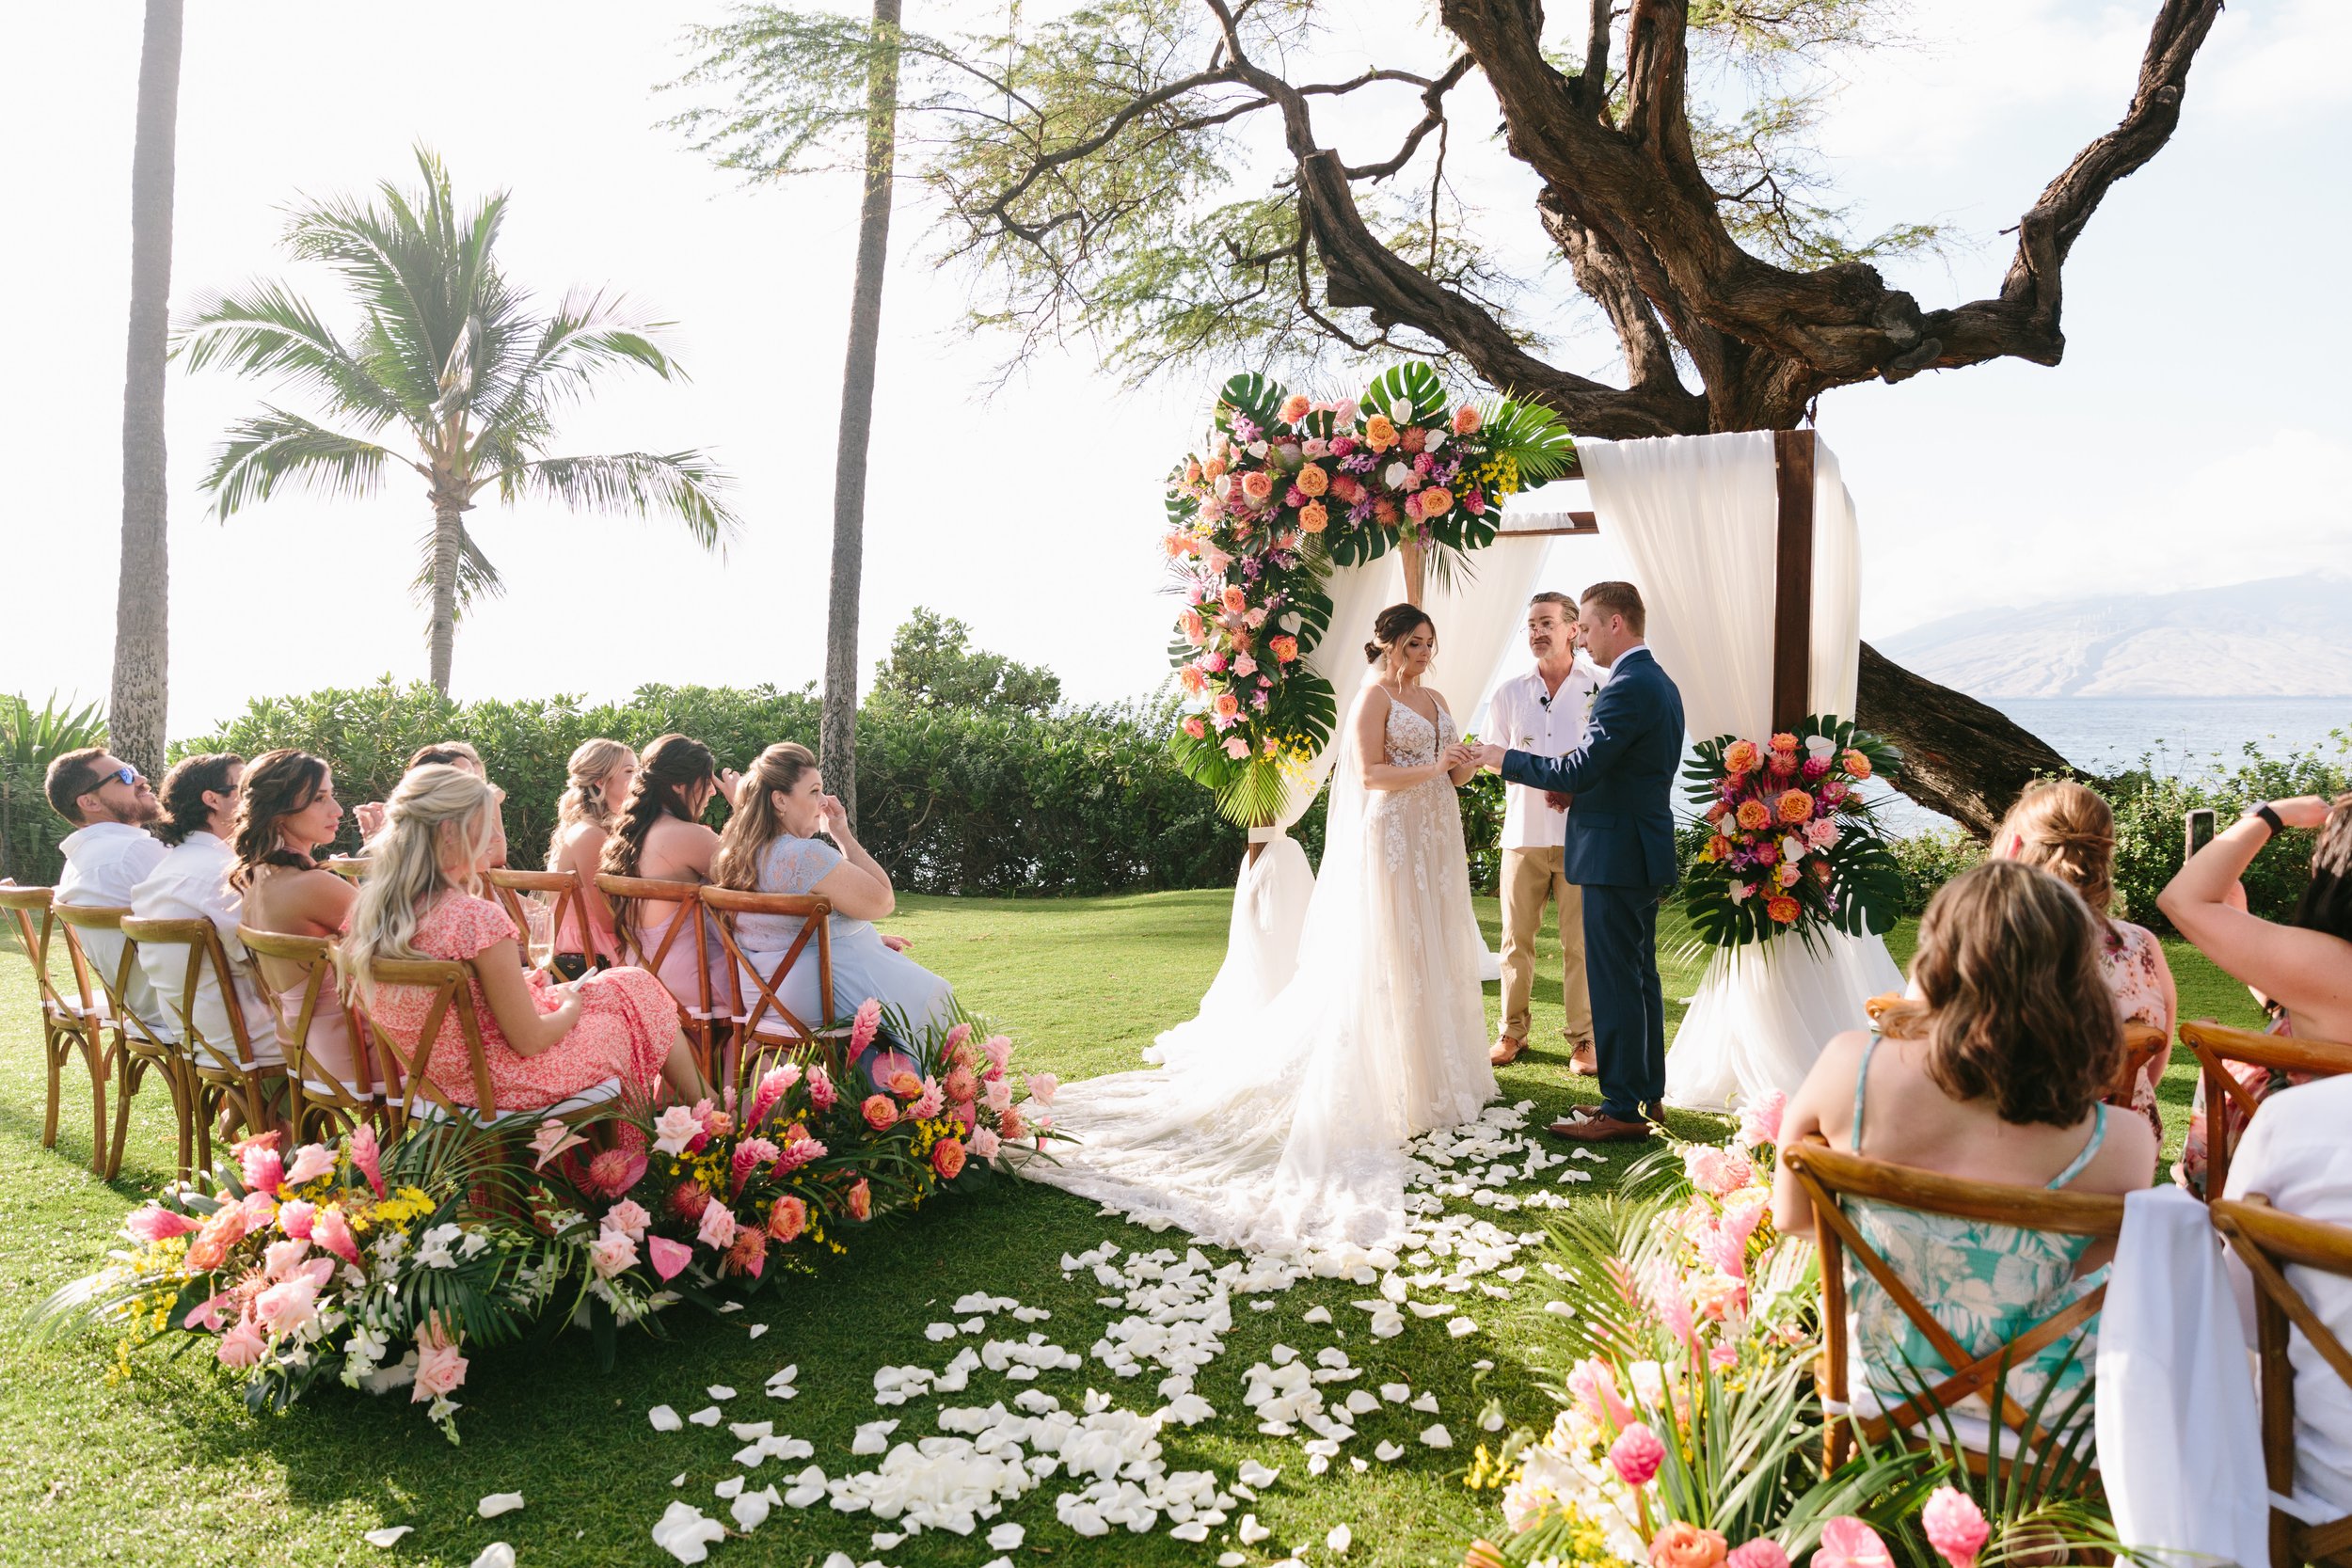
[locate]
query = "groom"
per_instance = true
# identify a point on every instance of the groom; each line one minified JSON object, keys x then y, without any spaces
{"x":1620,"y":849}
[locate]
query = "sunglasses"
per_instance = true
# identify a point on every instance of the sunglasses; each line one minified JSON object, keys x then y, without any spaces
{"x":123,"y":776}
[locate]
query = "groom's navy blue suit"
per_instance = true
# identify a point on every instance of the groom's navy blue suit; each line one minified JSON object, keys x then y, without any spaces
{"x":1621,"y":851}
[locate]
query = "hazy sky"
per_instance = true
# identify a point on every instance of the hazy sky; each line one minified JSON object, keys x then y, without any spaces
{"x":2195,"y":434}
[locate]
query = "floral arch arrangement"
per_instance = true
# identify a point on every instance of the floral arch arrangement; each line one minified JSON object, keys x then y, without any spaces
{"x":1285,"y":490}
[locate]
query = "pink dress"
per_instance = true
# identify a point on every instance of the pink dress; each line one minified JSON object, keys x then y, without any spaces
{"x":2132,"y":959}
{"x":625,"y":1025}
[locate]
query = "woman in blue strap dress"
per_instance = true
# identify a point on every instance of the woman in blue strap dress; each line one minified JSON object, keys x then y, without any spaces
{"x":1996,"y":1077}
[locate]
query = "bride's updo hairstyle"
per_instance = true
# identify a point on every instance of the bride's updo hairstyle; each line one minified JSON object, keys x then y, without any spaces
{"x":1392,"y":625}
{"x":2016,"y":1009}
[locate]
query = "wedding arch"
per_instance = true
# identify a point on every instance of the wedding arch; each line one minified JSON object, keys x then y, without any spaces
{"x":1745,"y":546}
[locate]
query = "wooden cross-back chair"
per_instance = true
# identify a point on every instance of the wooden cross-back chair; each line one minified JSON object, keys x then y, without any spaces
{"x":2143,"y":1043}
{"x":1828,"y":1178}
{"x":565,"y":894}
{"x":2229,"y":1104}
{"x":763,"y":1023}
{"x":448,"y":998}
{"x":706,"y":1023}
{"x":126,"y":1048}
{"x":216,"y":1074}
{"x":67,"y":1023}
{"x":317,"y":1030}
{"x":2268,"y":1242}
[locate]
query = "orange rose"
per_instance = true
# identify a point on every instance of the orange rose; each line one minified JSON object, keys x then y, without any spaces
{"x":1234,"y":600}
{"x":1313,"y":481}
{"x":1213,"y":469}
{"x":1784,"y":741}
{"x":1296,"y":408}
{"x":1782,"y":909}
{"x":1257,"y":484}
{"x":1467,"y":419}
{"x":1795,"y":806}
{"x":1719,"y":849}
{"x":1741,"y":756}
{"x":1227,"y":705}
{"x":1379,"y":432}
{"x":1856,"y":763}
{"x":947,"y":1159}
{"x":1686,"y":1545}
{"x":1195,"y":681}
{"x":1285,"y":649}
{"x":860,"y":1200}
{"x":880,"y":1114}
{"x":1753,"y":815}
{"x":1435,"y":501}
{"x":1314,"y":519}
{"x":1192,"y":471}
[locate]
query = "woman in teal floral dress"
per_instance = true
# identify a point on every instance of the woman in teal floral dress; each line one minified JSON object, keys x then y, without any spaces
{"x":1994,"y":1076}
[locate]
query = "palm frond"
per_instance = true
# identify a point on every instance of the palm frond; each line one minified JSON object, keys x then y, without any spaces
{"x":269,"y":330}
{"x":685,"y":485}
{"x":275,"y":448}
{"x":589,"y":332}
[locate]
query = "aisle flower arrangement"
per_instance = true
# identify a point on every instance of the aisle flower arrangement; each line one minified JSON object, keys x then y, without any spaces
{"x":1792,"y":844}
{"x":1284,"y":489}
{"x":383,"y":1266}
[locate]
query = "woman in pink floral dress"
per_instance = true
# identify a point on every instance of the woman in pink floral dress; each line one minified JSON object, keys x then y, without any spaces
{"x":544,"y":1042}
{"x":2069,"y":832}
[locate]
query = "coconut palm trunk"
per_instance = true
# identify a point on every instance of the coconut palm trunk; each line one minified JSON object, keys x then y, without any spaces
{"x":837,"y":736}
{"x":142,"y":593}
{"x":448,"y":536}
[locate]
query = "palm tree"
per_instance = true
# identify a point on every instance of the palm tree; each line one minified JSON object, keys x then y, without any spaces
{"x":142,"y":589}
{"x":449,"y":350}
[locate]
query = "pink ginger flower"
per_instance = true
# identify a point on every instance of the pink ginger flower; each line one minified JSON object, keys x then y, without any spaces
{"x":799,"y":1152}
{"x":262,"y":1168}
{"x":929,"y":1102}
{"x":1762,"y":1552}
{"x":1759,"y":1123}
{"x":750,"y":1155}
{"x":153,"y":1222}
{"x":821,"y":1093}
{"x":295,"y":1217}
{"x":312,"y":1161}
{"x":1955,"y":1525}
{"x":864,"y":1027}
{"x":1848,"y":1543}
{"x":367,"y":1157}
{"x":1636,"y":1455}
{"x":332,"y":1231}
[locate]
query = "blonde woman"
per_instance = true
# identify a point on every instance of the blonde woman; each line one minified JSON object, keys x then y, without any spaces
{"x":2069,"y":832}
{"x":545,"y":1042}
{"x":600,"y":773}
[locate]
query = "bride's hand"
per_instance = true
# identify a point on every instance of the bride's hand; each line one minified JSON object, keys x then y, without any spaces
{"x":1460,"y":754}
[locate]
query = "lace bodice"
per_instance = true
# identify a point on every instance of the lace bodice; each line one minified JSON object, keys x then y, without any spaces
{"x":1412,"y":740}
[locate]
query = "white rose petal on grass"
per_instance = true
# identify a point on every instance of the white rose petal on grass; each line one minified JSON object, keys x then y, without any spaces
{"x":1007,"y":1537}
{"x":936,"y":1332}
{"x":1191,"y":1529}
{"x":752,"y":1509}
{"x":1396,"y":1393}
{"x":664,"y":1418}
{"x":389,"y":1536}
{"x":887,"y":1540}
{"x":497,"y":1503}
{"x":1388,"y":1453}
{"x":758,"y":1329}
{"x":1426,"y":1405}
{"x":745,"y":1431}
{"x":678,"y":1480}
{"x":1387,"y":1325}
{"x":720,"y":1391}
{"x":1491,"y":1421}
{"x":1339,"y":1539}
{"x":1233,"y":1559}
{"x":1426,"y":1308}
{"x":1461,"y":1328}
{"x":1436,"y":1437}
{"x":686,"y":1532}
{"x":708,"y":1416}
{"x":1254,"y":1474}
{"x":1251,"y":1532}
{"x":1560,"y":1309}
{"x":497,"y":1554}
{"x":1360,"y":1402}
{"x":730,"y":1487}
{"x":1317,"y":1315}
{"x":873,"y":1437}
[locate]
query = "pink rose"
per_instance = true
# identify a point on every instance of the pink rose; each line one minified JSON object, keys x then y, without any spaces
{"x":243,"y":1345}
{"x":1682,"y":1545}
{"x":625,"y":1218}
{"x":861,"y":1201}
{"x":1955,"y":1525}
{"x":1636,"y":1455}
{"x":999,"y":1049}
{"x":787,"y":1219}
{"x":674,"y":1128}
{"x":666,"y":1255}
{"x":1236,"y":748}
{"x":999,"y":1095}
{"x":1717,"y":1171}
{"x":296,"y":1216}
{"x":716,"y":1229}
{"x":331,"y":1230}
{"x":1762,"y":1552}
{"x":289,"y":1306}
{"x":154,"y":1223}
{"x":613,"y":1252}
{"x":367,"y":1156}
{"x":1848,"y":1543}
{"x":1042,"y":1086}
{"x":984,"y":1144}
{"x":440,"y":1370}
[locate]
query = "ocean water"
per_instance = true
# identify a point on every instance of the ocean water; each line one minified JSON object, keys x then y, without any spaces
{"x":2181,"y":737}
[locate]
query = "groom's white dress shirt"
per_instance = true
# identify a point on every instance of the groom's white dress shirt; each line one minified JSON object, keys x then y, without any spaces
{"x":1525,"y":715}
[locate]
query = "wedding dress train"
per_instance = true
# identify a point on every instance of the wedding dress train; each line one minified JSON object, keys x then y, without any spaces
{"x":1283,"y":1130}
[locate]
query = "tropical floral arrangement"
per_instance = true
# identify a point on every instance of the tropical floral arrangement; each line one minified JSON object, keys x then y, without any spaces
{"x":1286,"y":488}
{"x":381,"y":1266}
{"x":1690,"y":1433}
{"x":1793,"y":844}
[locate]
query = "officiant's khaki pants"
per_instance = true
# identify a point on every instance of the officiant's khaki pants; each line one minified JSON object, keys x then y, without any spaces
{"x":1531,"y":879}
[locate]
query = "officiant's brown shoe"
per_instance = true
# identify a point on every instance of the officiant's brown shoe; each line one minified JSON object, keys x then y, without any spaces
{"x":1506,"y":1051}
{"x":1583,"y":1063}
{"x":1599,"y":1127}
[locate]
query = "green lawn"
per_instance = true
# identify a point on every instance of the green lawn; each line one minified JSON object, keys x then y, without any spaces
{"x":163,"y":1465}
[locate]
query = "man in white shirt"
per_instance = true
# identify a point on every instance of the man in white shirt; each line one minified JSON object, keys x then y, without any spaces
{"x":191,"y":882}
{"x":1544,"y":711}
{"x":2295,"y":1154}
{"x":109,"y":852}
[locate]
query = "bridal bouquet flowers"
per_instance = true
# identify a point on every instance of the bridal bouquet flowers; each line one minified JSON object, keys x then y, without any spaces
{"x":1792,"y":844}
{"x":1285,"y":488}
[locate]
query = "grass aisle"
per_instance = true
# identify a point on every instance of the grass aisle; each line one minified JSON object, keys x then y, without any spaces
{"x":157,"y":1462}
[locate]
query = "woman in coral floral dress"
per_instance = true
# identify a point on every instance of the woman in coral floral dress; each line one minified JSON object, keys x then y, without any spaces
{"x":545,"y":1043}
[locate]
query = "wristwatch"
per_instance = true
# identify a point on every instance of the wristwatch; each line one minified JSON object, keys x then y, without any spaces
{"x":2270,"y":818}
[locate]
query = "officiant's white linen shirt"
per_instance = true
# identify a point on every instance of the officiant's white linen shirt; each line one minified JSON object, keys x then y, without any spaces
{"x":1519,"y":718}
{"x":104,"y":862}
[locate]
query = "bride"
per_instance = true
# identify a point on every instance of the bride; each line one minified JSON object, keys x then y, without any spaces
{"x":1284,"y":1130}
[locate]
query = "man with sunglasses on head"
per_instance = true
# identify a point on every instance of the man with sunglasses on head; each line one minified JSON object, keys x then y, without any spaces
{"x":109,"y":851}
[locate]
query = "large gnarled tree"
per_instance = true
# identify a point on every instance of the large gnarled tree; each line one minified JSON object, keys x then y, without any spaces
{"x":1163,"y":178}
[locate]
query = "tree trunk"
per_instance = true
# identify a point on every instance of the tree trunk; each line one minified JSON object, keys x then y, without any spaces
{"x":1959,"y":757}
{"x":837,"y":740}
{"x":447,"y":521}
{"x":136,"y":702}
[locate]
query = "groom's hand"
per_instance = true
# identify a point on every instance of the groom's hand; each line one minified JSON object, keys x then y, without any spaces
{"x":1491,"y":756}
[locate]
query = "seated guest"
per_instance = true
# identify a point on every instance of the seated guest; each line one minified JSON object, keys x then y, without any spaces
{"x":599,"y":780}
{"x":659,"y":834}
{"x":2296,"y":1155}
{"x":191,"y":882}
{"x":2069,"y":832}
{"x":441,"y":753}
{"x":770,"y":845}
{"x":286,"y":814}
{"x":106,"y":856}
{"x":2301,"y":969}
{"x":545,"y":1042}
{"x":1994,"y":1076}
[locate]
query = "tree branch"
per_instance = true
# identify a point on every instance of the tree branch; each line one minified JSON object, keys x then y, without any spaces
{"x":1433,"y":101}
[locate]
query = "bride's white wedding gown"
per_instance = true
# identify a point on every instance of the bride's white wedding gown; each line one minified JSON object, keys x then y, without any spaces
{"x":1283,"y":1129}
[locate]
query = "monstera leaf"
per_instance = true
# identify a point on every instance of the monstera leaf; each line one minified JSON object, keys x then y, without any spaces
{"x":1254,"y":395}
{"x":1413,"y":384}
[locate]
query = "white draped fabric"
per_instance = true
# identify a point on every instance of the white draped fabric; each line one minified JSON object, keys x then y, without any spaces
{"x":1698,"y":518}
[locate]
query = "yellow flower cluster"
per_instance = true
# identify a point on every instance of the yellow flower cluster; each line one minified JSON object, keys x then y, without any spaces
{"x":1489,"y":1471}
{"x":405,"y":1204}
{"x":1498,"y":475}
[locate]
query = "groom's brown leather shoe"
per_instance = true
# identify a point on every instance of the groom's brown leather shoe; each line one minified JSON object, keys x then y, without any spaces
{"x":1506,"y":1051}
{"x":1599,"y":1127}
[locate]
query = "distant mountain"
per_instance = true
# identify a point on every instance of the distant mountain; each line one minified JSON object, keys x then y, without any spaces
{"x":2286,"y":637}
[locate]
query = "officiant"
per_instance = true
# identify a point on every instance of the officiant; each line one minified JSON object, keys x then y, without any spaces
{"x":1545,"y":711}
